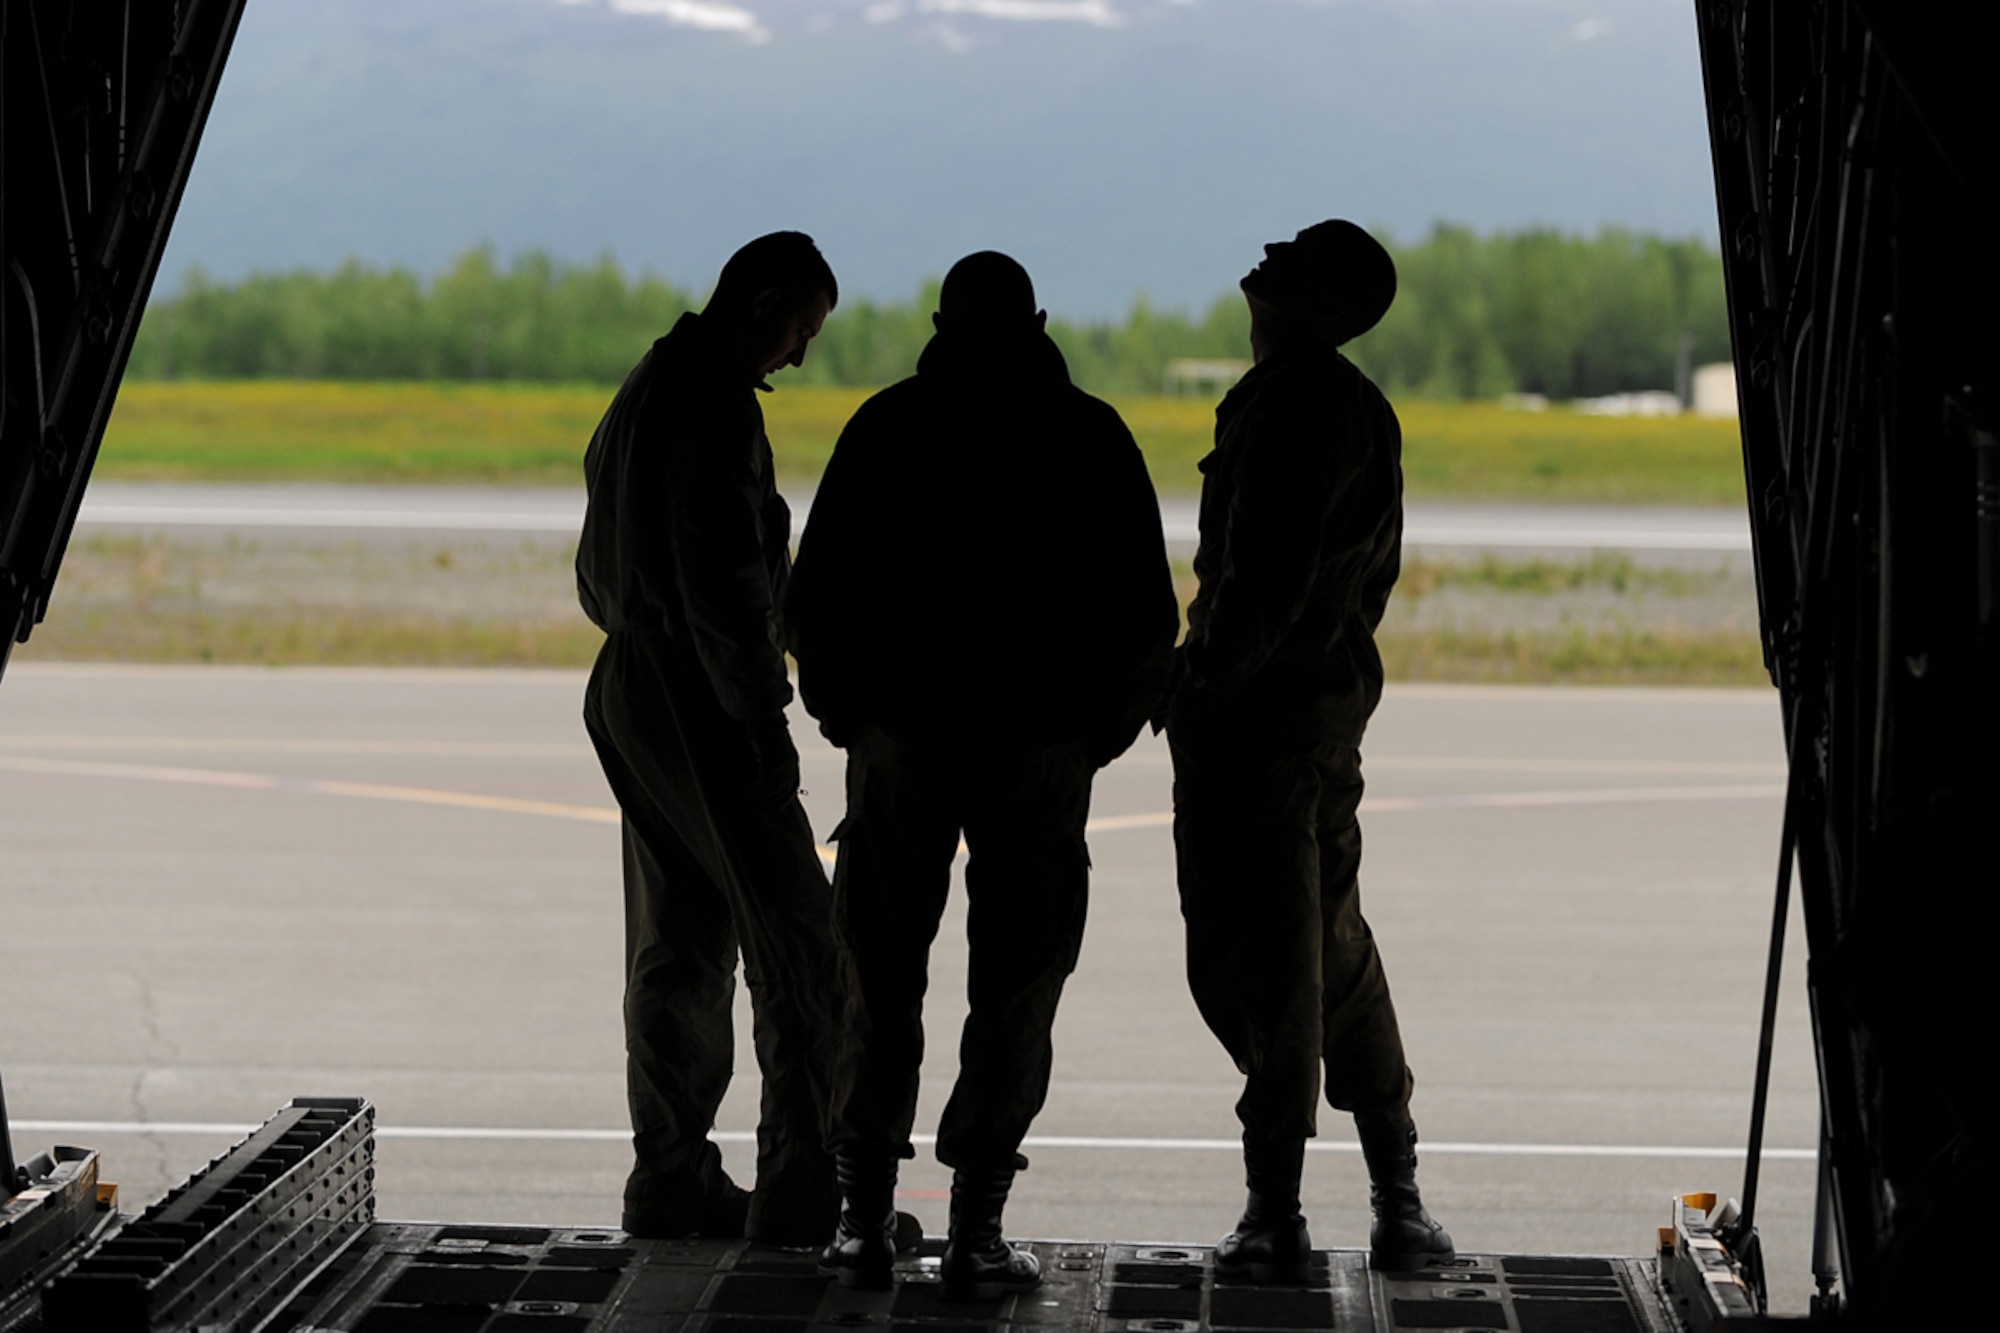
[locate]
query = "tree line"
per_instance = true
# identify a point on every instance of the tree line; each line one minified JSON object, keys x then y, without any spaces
{"x":1535,"y":311}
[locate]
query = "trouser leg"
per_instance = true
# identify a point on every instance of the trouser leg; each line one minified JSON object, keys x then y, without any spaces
{"x":708,"y":865}
{"x":680,"y":948}
{"x":889,"y":887}
{"x":680,"y":978}
{"x":782,"y":907}
{"x":1247,"y":855}
{"x":1027,"y":889}
{"x":1366,"y":1072}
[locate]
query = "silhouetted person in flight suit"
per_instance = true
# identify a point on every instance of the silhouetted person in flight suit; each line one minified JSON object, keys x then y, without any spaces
{"x":983,"y":616}
{"x":683,"y":563}
{"x":1301,"y":537}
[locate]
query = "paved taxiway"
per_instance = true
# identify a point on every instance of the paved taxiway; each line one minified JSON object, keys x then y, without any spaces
{"x":223,"y":887}
{"x":1649,"y":531}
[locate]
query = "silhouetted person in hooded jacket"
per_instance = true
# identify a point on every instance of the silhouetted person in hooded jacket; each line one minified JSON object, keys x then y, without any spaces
{"x":983,"y":616}
{"x":1301,"y":538}
{"x":683,"y":563}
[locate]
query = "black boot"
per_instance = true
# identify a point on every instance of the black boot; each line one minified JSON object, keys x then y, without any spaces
{"x":794,"y":1217}
{"x":979,"y":1264}
{"x":719,"y":1216}
{"x":1404,"y":1236}
{"x":687,"y":1199}
{"x":862,"y":1252}
{"x":1270,"y":1243}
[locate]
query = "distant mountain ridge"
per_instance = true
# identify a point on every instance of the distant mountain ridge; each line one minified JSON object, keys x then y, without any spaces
{"x":1116,"y":146}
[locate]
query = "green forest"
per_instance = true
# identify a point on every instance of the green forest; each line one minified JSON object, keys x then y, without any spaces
{"x":1534,"y":311}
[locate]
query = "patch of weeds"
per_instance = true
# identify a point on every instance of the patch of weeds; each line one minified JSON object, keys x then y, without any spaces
{"x":1612,"y":570}
{"x":1571,"y":656}
{"x":1577,"y":657}
{"x":347,"y":639}
{"x":146,"y":565}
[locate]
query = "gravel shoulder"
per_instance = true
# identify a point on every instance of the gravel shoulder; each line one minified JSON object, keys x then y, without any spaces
{"x":399,"y":595}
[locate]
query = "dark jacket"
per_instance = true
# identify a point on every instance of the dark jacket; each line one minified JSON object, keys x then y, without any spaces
{"x":983,"y":561}
{"x":686,"y":535}
{"x":1301,"y":541}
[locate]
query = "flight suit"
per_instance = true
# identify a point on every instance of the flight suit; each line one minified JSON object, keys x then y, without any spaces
{"x":683,"y":563}
{"x":1301,"y":533}
{"x":983,"y":615}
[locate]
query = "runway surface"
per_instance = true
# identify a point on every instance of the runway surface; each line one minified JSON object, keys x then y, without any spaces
{"x":403,"y":509}
{"x":225,"y":887}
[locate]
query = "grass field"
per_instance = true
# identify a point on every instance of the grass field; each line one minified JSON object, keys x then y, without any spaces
{"x":358,"y":638}
{"x":486,"y":600}
{"x":363,"y":639}
{"x":517,"y":434}
{"x":1636,"y":657}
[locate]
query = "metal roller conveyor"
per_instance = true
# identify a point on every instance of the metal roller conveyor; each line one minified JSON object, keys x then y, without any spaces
{"x":230,"y":1243}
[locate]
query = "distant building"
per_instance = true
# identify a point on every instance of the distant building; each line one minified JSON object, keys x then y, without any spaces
{"x":1714,"y":390}
{"x":1202,"y":378}
{"x":1645,"y":403}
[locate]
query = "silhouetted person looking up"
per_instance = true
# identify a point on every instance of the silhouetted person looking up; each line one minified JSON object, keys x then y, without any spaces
{"x":983,"y":617}
{"x":683,"y":563}
{"x":1301,"y":538}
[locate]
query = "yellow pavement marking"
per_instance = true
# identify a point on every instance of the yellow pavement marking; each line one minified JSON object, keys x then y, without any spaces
{"x":1373,"y":762}
{"x":535,"y":750}
{"x":595,"y":814}
{"x":1507,"y":800}
{"x":1634,"y":767}
{"x":1116,"y":823}
{"x":205,"y":777}
{"x":1084,"y":1142}
{"x":209,"y":777}
{"x":300,"y":745}
{"x":1500,"y":800}
{"x":376,"y":791}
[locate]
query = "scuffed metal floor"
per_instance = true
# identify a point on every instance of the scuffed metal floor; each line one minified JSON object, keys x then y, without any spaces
{"x":405,"y":1277}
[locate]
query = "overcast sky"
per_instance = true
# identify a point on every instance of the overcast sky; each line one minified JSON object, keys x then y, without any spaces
{"x":1116,"y":146}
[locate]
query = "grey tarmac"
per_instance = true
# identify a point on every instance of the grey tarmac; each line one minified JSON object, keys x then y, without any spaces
{"x":228,"y":886}
{"x":1547,"y":529}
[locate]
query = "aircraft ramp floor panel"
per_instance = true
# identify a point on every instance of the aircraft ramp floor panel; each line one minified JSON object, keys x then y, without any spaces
{"x":401,"y":1277}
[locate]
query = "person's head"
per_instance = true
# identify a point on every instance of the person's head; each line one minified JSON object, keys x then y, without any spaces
{"x":988,"y":295}
{"x":772,"y":298}
{"x":1332,"y":283}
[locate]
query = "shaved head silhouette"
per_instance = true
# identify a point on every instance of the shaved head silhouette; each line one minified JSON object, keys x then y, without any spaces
{"x":987,"y":290}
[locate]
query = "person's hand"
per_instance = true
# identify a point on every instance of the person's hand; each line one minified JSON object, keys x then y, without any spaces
{"x":1101,"y":749}
{"x":774,"y":761}
{"x":840,"y":732}
{"x":1176,"y":678}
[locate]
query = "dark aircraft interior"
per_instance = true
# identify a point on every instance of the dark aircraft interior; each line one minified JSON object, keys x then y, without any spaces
{"x":1856,"y":179}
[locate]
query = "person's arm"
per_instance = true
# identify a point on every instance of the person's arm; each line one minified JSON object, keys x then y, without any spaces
{"x":715,"y":524}
{"x":1291,"y":465}
{"x":819,"y":610}
{"x":1142,"y":614}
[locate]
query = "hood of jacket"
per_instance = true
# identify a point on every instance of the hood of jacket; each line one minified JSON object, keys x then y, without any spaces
{"x":1011,"y":357}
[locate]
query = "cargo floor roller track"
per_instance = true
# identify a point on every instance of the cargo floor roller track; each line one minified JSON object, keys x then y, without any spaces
{"x":278,"y":1234}
{"x":402,"y":1277}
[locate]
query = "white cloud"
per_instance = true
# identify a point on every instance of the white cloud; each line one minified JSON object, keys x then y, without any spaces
{"x":952,"y":40}
{"x":1097,"y":13}
{"x":707,"y":15}
{"x":1591,"y":29}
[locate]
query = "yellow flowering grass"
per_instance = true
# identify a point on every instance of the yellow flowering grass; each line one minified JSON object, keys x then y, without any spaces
{"x":531,"y":434}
